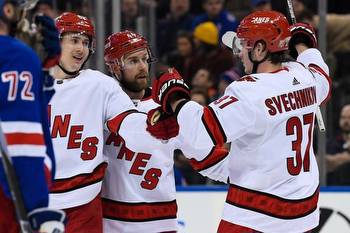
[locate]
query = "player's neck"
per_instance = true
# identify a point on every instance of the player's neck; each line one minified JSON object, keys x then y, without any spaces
{"x":3,"y":30}
{"x":267,"y":67}
{"x":135,"y":95}
{"x":58,"y":73}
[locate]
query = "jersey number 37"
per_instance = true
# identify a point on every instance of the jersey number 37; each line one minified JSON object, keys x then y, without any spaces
{"x":294,"y":127}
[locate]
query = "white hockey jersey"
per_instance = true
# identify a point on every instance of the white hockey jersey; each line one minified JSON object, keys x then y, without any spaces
{"x":269,"y":120}
{"x":78,"y":113}
{"x":138,"y":191}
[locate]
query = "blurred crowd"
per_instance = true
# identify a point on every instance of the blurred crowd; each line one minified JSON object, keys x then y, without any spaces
{"x":188,"y":37}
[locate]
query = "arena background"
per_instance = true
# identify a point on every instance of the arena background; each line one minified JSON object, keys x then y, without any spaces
{"x":193,"y":200}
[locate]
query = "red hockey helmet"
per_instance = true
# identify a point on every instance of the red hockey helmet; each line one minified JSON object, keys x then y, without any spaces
{"x":71,"y":22}
{"x":121,"y":43}
{"x":269,"y":26}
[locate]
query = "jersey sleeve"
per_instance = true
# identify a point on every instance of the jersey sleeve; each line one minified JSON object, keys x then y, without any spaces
{"x":25,"y":128}
{"x":313,"y":60}
{"x":203,"y":136}
{"x":118,"y":106}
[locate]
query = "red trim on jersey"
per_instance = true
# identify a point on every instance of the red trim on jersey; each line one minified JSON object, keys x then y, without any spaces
{"x":48,"y":176}
{"x":320,"y":70}
{"x":278,"y":70}
{"x":114,"y":124}
{"x":147,"y":98}
{"x":216,"y":154}
{"x":79,"y":181}
{"x":138,"y":212}
{"x":228,"y":227}
{"x":271,"y":205}
{"x":25,"y":138}
{"x":213,"y":126}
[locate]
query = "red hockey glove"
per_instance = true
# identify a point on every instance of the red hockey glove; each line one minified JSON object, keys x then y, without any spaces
{"x":162,"y":125}
{"x":167,"y":87}
{"x":301,"y":33}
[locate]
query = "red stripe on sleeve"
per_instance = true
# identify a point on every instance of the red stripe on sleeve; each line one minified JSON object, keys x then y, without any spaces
{"x":25,"y":138}
{"x":320,"y":70}
{"x":114,"y":124}
{"x":215,"y":156}
{"x":213,"y":126}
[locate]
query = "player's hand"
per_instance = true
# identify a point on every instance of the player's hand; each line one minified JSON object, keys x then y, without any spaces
{"x":45,"y":220}
{"x":168,"y":87}
{"x":50,"y":40}
{"x":302,"y":33}
{"x":162,"y":125}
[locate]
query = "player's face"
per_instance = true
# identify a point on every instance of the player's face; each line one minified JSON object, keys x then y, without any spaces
{"x":344,"y":121}
{"x":135,"y":70}
{"x":75,"y":50}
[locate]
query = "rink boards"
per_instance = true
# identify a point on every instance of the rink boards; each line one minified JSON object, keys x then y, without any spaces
{"x":200,"y":209}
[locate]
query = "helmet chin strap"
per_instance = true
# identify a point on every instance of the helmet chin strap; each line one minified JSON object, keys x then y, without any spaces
{"x":73,"y":73}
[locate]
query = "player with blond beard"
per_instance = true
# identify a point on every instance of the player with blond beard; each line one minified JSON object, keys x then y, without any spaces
{"x":139,"y":188}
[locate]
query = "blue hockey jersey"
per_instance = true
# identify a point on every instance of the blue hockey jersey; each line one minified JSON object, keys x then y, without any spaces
{"x":24,"y":122}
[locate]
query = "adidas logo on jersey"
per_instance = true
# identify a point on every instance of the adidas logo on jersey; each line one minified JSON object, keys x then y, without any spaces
{"x":295,"y":81}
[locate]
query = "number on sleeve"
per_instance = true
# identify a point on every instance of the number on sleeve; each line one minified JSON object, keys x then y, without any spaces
{"x":225,"y":101}
{"x":26,"y":93}
{"x":13,"y":79}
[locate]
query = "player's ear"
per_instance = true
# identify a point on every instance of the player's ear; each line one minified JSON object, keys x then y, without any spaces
{"x":9,"y":11}
{"x":260,"y":50}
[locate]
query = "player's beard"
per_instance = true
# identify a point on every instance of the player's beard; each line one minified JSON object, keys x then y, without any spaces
{"x":136,"y":85}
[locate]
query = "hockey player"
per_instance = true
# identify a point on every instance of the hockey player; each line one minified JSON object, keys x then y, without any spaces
{"x":84,"y":101}
{"x":139,"y":188}
{"x":24,"y":124}
{"x":268,"y":116}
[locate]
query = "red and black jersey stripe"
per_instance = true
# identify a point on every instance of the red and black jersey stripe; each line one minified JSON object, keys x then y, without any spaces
{"x":138,"y":212}
{"x":321,"y":71}
{"x":79,"y":181}
{"x":217,"y":154}
{"x":213,"y":126}
{"x":271,"y":205}
{"x":114,"y":124}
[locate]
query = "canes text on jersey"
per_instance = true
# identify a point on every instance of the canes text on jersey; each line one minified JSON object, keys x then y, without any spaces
{"x":139,"y":162}
{"x":61,"y":127}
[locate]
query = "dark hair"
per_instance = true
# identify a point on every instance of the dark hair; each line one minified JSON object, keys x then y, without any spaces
{"x":279,"y":57}
{"x":188,"y":36}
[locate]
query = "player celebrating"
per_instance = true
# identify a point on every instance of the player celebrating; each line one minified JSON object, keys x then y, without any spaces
{"x":24,"y":125}
{"x":268,"y":117}
{"x":139,"y":187}
{"x":85,"y":100}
